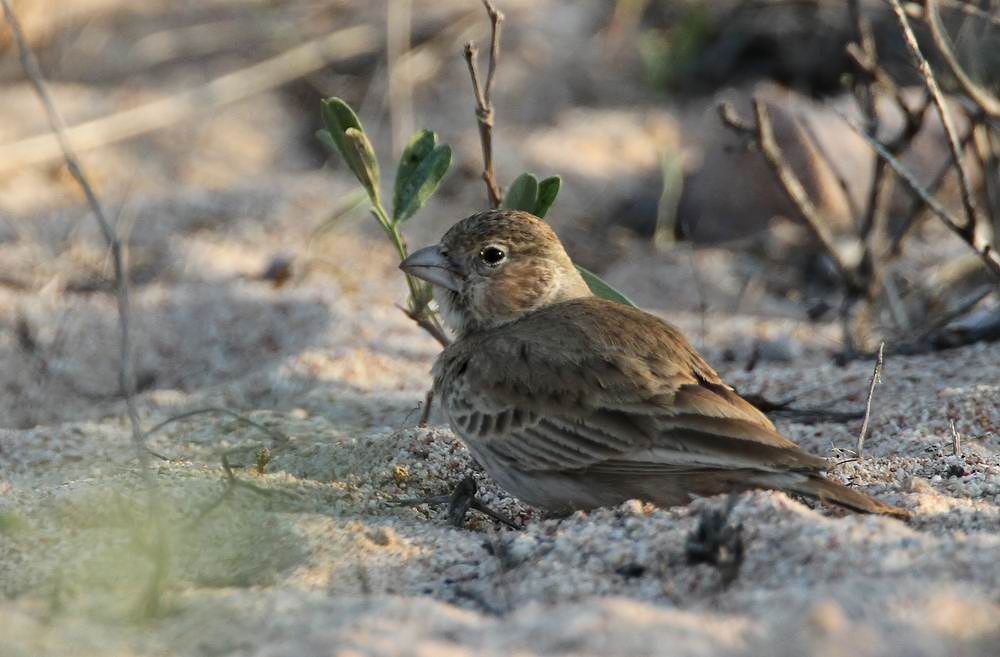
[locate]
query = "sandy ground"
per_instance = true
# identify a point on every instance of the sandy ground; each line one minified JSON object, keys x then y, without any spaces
{"x":318,"y":559}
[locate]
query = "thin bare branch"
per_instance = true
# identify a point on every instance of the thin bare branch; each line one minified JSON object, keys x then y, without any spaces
{"x":731,"y":118}
{"x":983,"y":249}
{"x":793,"y":188}
{"x":919,"y":204}
{"x":987,"y":152}
{"x":989,"y":103}
{"x":496,"y":22}
{"x":425,"y":412}
{"x":280,"y":439}
{"x":126,"y":374}
{"x":835,"y":169}
{"x":428,"y":324}
{"x":484,"y":106}
{"x":924,"y":68}
{"x":876,"y":379}
{"x":964,"y":307}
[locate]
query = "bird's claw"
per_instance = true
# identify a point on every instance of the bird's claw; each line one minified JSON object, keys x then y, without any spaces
{"x":459,"y":502}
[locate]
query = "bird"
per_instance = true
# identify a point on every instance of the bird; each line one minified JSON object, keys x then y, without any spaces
{"x":572,"y":402}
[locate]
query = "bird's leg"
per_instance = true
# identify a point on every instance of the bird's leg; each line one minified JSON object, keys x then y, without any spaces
{"x":459,"y":502}
{"x":425,"y":414}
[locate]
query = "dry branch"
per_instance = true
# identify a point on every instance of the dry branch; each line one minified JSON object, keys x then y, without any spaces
{"x":763,"y":133}
{"x":484,"y":104}
{"x":126,"y":374}
{"x":279,"y":439}
{"x":423,"y":321}
{"x":919,"y":203}
{"x":876,"y":379}
{"x":989,"y":103}
{"x":289,"y":65}
{"x":927,"y":75}
{"x":983,"y":249}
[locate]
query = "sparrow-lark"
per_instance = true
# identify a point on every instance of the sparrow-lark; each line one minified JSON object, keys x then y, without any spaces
{"x":573,"y":402}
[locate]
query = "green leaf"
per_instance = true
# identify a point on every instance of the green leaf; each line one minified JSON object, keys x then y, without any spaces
{"x":338,"y":117}
{"x":548,"y":190}
{"x":421,"y":168}
{"x":361,"y":156}
{"x":420,"y":146}
{"x":523,"y":193}
{"x":422,"y":183}
{"x":602,"y":289}
{"x":328,"y":141}
{"x":340,"y":120}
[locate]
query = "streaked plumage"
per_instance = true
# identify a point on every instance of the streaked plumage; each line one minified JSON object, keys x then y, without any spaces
{"x":573,"y":402}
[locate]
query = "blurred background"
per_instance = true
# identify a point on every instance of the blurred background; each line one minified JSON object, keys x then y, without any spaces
{"x":251,"y":248}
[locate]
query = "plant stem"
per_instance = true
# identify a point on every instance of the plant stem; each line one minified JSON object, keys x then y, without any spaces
{"x":419,"y":293}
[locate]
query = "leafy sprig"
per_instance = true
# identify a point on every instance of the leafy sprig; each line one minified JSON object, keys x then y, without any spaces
{"x":421,"y":168}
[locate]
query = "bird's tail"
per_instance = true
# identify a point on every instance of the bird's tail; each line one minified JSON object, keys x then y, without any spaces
{"x":830,"y":492}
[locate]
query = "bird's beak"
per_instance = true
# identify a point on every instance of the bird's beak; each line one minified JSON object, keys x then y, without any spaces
{"x":431,"y":265}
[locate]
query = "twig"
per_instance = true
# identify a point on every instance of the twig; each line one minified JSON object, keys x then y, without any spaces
{"x":989,"y":103}
{"x":914,"y":118}
{"x":985,"y":251}
{"x":834,"y":168}
{"x":232,"y":483}
{"x":956,"y":440}
{"x":896,"y":307}
{"x":963,"y":308}
{"x":484,"y":105}
{"x":289,"y":65}
{"x":279,"y":439}
{"x":731,"y":118}
{"x":126,"y":374}
{"x":425,"y":412}
{"x":764,"y":134}
{"x":988,"y":158}
{"x":876,"y":379}
{"x":872,"y":225}
{"x":426,"y":323}
{"x":919,"y":204}
{"x":949,"y":127}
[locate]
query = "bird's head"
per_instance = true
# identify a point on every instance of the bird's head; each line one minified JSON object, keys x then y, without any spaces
{"x":495,"y":267}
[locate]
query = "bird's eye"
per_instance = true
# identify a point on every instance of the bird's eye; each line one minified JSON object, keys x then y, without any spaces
{"x":492,"y":255}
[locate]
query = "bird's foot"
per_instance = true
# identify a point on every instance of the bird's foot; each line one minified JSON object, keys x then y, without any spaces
{"x":459,"y":502}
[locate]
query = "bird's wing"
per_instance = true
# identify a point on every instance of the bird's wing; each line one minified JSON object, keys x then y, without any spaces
{"x":598,"y":385}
